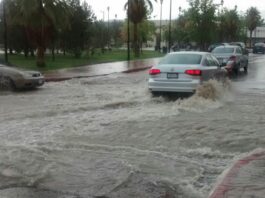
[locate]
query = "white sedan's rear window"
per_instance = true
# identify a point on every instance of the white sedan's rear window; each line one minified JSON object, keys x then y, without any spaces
{"x":191,"y":59}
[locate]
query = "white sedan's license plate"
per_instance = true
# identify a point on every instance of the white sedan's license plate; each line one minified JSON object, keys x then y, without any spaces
{"x":40,"y":81}
{"x":172,"y":75}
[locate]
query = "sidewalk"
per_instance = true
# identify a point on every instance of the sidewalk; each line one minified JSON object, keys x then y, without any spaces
{"x":100,"y":69}
{"x":245,"y":179}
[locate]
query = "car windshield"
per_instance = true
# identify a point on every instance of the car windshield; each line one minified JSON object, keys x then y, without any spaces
{"x":223,"y":50}
{"x":193,"y":59}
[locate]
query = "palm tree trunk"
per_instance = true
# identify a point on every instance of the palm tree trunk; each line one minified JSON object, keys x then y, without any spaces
{"x":135,"y":40}
{"x":40,"y":47}
{"x":250,"y":38}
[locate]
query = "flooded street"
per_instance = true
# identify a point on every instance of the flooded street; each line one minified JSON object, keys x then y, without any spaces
{"x":107,"y":137}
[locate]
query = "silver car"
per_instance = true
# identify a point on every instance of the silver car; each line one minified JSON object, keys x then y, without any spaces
{"x":183,"y":72}
{"x":232,"y":56}
{"x":12,"y":78}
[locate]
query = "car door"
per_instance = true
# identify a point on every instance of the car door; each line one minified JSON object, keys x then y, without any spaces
{"x":240,"y":57}
{"x":211,"y":67}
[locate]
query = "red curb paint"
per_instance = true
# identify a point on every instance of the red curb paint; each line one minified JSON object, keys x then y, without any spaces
{"x":136,"y":70}
{"x":227,"y":182}
{"x":58,"y":79}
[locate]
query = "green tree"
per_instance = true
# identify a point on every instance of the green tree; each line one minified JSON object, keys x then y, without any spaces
{"x":137,"y":11}
{"x":40,"y":18}
{"x":147,"y":30}
{"x":77,"y":37}
{"x":229,"y":25}
{"x":180,"y":31}
{"x":100,"y":35}
{"x":202,"y":21}
{"x":116,"y":32}
{"x":253,"y":19}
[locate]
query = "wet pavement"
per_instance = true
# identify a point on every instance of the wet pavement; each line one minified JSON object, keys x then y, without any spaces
{"x":244,"y":179}
{"x":100,"y":69}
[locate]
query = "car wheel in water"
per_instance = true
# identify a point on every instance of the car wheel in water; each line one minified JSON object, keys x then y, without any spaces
{"x":7,"y":83}
{"x":246,"y":70}
{"x":236,"y":70}
{"x":155,"y":93}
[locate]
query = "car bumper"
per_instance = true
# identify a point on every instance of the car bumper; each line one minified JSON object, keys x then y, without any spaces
{"x":29,"y":82}
{"x":259,"y":51}
{"x":167,"y":86}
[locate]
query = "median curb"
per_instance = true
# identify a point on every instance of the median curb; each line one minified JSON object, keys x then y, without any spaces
{"x":137,"y":69}
{"x":228,"y":183}
{"x":63,"y":78}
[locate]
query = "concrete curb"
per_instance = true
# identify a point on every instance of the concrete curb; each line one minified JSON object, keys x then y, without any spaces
{"x":227,"y":182}
{"x":137,"y":69}
{"x":58,"y":78}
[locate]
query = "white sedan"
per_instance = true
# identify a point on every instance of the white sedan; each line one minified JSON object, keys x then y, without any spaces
{"x":183,"y":72}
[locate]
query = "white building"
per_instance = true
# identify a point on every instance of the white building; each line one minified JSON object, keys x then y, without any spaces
{"x":258,"y":35}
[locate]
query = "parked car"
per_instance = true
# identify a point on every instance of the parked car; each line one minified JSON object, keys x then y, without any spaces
{"x":233,"y":55}
{"x":242,"y":45}
{"x":211,"y":47}
{"x":13,"y":78}
{"x":259,"y":48}
{"x":183,"y":72}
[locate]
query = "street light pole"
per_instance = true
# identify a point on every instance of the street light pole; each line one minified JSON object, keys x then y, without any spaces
{"x":160,"y":28}
{"x":5,"y":30}
{"x":128,"y":31}
{"x":108,"y":28}
{"x":169,"y":27}
{"x":103,"y":15}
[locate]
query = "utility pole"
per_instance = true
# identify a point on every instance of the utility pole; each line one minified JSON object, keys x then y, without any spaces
{"x":169,"y":27}
{"x":103,"y":15}
{"x":108,"y":28}
{"x":128,"y":31}
{"x":160,"y":28}
{"x":102,"y":33}
{"x":5,"y":31}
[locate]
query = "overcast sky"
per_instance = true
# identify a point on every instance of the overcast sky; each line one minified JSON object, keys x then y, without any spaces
{"x":117,"y":7}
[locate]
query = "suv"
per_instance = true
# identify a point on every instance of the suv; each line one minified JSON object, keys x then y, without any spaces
{"x":259,"y":48}
{"x":232,"y":57}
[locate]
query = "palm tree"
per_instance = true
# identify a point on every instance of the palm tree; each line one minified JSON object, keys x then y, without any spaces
{"x":253,"y":19}
{"x":39,"y":18}
{"x":137,"y":11}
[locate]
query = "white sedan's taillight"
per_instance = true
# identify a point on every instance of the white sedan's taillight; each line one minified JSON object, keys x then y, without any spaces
{"x":194,"y":72}
{"x":154,"y":71}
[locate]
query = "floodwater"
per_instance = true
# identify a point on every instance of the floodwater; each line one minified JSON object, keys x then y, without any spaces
{"x":107,"y":137}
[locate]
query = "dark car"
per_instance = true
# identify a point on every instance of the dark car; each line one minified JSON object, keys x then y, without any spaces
{"x":233,"y":57}
{"x":259,"y":48}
